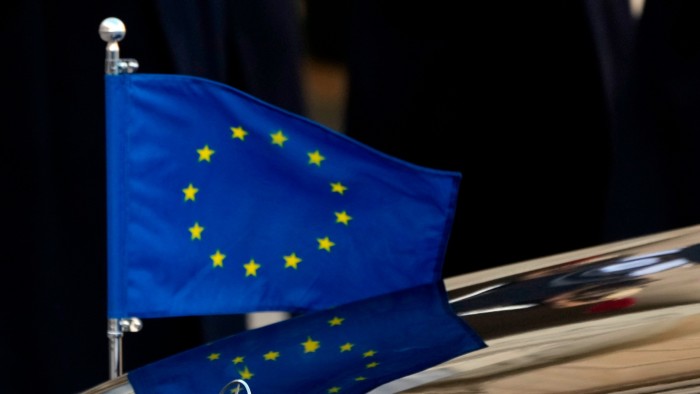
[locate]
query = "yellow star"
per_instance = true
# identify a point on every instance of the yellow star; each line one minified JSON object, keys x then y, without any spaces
{"x":334,"y":389}
{"x":213,"y":356}
{"x":278,"y":138}
{"x":342,"y":217}
{"x":205,"y":153}
{"x":245,"y":373}
{"x":336,"y":321}
{"x":346,"y":347}
{"x":316,"y":158}
{"x":251,"y":269}
{"x":369,"y":353}
{"x":271,"y":356}
{"x":291,"y":261}
{"x":372,"y":364}
{"x":360,"y":378}
{"x":337,"y":187}
{"x":310,"y":345}
{"x":237,"y":360}
{"x":190,"y":191}
{"x":325,"y":244}
{"x":196,"y":231}
{"x":218,"y":259}
{"x":238,"y":132}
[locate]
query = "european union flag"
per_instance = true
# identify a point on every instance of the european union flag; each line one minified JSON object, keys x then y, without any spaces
{"x":353,"y":348}
{"x":220,"y":203}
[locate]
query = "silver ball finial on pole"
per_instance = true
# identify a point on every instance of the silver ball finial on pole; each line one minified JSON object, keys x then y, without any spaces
{"x":112,"y":30}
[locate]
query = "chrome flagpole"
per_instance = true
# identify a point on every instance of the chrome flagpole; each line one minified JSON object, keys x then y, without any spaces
{"x":112,"y":30}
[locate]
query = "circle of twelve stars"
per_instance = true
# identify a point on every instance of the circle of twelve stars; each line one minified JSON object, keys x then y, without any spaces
{"x":291,"y":260}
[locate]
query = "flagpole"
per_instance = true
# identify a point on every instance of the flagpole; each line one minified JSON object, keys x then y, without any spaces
{"x":112,"y":30}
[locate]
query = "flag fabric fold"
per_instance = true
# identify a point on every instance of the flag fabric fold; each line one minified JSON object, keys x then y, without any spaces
{"x":352,"y":348}
{"x":220,"y":203}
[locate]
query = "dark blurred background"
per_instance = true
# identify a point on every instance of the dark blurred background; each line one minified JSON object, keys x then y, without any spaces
{"x":573,"y":123}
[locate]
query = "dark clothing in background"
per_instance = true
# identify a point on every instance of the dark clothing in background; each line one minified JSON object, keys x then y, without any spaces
{"x":510,"y":95}
{"x":53,"y":336}
{"x":655,"y":182}
{"x":572,"y":123}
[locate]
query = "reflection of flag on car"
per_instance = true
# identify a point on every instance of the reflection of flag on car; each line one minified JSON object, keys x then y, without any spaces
{"x":353,"y":348}
{"x":219,"y":203}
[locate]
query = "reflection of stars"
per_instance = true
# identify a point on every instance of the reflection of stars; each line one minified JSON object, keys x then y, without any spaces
{"x":245,"y":373}
{"x":336,"y":321}
{"x":310,"y":345}
{"x":271,"y":356}
{"x":213,"y":356}
{"x":236,"y":389}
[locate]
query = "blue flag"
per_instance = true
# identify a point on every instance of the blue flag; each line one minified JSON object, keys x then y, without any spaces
{"x":219,"y":203}
{"x":353,"y":348}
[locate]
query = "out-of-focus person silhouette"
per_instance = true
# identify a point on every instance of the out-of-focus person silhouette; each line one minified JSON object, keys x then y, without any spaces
{"x":573,"y":123}
{"x":53,"y":336}
{"x":510,"y":94}
{"x":654,"y":181}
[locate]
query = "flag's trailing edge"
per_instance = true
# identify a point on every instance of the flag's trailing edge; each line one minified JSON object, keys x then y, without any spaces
{"x":220,"y":203}
{"x":353,"y":348}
